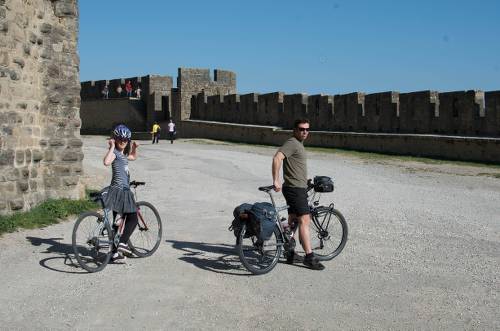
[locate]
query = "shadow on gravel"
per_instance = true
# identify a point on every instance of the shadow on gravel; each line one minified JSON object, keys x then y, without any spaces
{"x":64,"y":254}
{"x":219,"y":258}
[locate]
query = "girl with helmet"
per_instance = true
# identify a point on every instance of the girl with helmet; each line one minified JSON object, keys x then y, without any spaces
{"x":119,"y":198}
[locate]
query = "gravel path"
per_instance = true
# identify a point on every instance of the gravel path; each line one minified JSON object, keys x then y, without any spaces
{"x":423,"y":251}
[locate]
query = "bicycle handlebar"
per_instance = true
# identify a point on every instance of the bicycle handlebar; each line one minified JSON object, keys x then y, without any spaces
{"x":135,"y":184}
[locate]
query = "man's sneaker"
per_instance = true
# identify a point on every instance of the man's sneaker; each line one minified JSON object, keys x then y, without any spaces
{"x":123,"y":248}
{"x":292,"y":257}
{"x":118,"y":257}
{"x":312,"y":262}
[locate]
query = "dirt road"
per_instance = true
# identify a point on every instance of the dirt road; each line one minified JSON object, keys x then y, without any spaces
{"x":423,"y":251}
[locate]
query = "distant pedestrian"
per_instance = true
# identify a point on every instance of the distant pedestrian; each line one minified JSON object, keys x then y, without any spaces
{"x":105,"y":92}
{"x":138,"y":92}
{"x":156,"y":132}
{"x":119,"y":91}
{"x":128,"y":88}
{"x":171,"y":131}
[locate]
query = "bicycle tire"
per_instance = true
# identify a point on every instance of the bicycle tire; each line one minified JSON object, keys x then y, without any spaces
{"x":250,"y":255}
{"x":92,"y":241}
{"x":328,"y":241}
{"x":145,"y":240}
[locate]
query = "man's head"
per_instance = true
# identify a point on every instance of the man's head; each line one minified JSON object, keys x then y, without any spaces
{"x":301,"y":129}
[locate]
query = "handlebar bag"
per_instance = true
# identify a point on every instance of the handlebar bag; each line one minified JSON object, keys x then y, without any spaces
{"x":323,"y":184}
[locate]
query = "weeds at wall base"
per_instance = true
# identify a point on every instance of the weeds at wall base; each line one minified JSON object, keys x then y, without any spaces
{"x":47,"y":213}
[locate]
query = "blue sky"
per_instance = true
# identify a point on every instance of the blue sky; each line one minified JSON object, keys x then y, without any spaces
{"x":313,"y":46}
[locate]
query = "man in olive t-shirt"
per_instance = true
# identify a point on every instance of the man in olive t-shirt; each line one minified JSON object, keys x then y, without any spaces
{"x":293,"y":157}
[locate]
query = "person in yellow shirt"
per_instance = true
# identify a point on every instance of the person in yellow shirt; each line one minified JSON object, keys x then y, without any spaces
{"x":156,"y":132}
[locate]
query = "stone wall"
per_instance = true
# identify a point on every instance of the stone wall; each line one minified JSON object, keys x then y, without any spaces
{"x":40,"y":147}
{"x":465,"y":113}
{"x":99,"y":115}
{"x":445,"y":147}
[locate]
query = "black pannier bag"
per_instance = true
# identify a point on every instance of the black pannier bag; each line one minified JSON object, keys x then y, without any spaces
{"x":242,"y":214}
{"x":259,"y":218}
{"x":265,"y":215}
{"x":323,"y":184}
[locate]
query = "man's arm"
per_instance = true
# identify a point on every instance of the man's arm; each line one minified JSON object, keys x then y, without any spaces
{"x":277,"y":162}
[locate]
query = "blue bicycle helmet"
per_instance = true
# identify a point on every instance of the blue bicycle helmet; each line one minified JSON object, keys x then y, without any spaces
{"x":121,"y":131}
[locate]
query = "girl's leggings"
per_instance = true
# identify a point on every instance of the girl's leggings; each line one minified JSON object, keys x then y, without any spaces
{"x":130,"y":225}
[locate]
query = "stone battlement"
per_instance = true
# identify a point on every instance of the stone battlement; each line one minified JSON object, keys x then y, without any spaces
{"x":469,"y":113}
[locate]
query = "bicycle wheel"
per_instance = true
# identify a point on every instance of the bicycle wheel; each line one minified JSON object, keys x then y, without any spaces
{"x":259,"y":257}
{"x":92,"y":241}
{"x":328,"y":233}
{"x":146,"y":238}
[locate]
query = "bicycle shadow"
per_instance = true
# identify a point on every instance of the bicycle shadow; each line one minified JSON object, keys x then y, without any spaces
{"x":219,"y":258}
{"x":63,"y":252}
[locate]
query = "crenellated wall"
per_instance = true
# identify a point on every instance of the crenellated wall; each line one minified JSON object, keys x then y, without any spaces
{"x":99,"y":115}
{"x":465,"y":113}
{"x":40,"y":146}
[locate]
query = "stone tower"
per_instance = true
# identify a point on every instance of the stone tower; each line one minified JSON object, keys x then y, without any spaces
{"x":40,"y":146}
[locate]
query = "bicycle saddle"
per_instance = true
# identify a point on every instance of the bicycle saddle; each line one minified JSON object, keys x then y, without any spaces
{"x":266,"y":188}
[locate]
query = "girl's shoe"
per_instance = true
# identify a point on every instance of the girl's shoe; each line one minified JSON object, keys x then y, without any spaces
{"x":123,"y":248}
{"x":118,"y":257}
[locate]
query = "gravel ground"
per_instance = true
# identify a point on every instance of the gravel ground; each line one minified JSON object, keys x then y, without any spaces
{"x":423,"y":251}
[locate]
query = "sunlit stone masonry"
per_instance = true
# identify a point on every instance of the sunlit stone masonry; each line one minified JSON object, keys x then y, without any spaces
{"x":40,"y":146}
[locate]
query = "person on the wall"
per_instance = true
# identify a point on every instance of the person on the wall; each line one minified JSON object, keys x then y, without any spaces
{"x":171,"y":131}
{"x":155,"y":131}
{"x":128,"y":88}
{"x":138,"y":92}
{"x":105,"y":92}
{"x":119,"y":91}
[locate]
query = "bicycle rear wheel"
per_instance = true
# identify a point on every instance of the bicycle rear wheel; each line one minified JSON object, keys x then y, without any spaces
{"x":259,"y":257}
{"x":328,"y":233}
{"x":146,"y":238}
{"x":92,"y":241}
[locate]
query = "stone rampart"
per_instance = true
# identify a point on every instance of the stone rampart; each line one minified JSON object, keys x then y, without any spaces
{"x":465,"y":113}
{"x":448,"y":147}
{"x":40,"y":146}
{"x":152,"y":105}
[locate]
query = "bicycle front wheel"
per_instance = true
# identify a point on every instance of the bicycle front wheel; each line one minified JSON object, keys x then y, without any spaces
{"x":328,"y":234}
{"x":146,"y":238}
{"x":92,"y":241}
{"x":259,"y":257}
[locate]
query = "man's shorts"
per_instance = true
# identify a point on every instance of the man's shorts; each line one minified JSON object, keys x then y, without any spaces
{"x":296,"y":199}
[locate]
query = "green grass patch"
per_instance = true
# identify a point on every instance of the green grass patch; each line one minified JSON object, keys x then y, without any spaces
{"x":49,"y":212}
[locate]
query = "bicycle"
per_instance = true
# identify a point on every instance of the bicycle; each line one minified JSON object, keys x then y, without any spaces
{"x":95,"y":234}
{"x":328,"y":230}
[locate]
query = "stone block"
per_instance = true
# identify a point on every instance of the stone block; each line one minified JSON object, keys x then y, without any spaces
{"x":37,"y":155}
{"x":7,"y":157}
{"x":10,"y":174}
{"x":75,"y":142}
{"x":33,"y":185}
{"x":19,"y":62}
{"x":61,"y":170}
{"x":3,"y":205}
{"x":49,"y":155}
{"x":19,"y":157}
{"x":32,"y":38}
{"x":56,"y":142}
{"x":70,"y":181}
{"x":16,"y":204}
{"x":22,"y":186}
{"x":27,"y":154}
{"x":33,"y":173}
{"x":65,"y":8}
{"x":7,"y":187}
{"x":52,"y":182}
{"x":25,"y":172}
{"x":45,"y":28}
{"x":71,"y":156}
